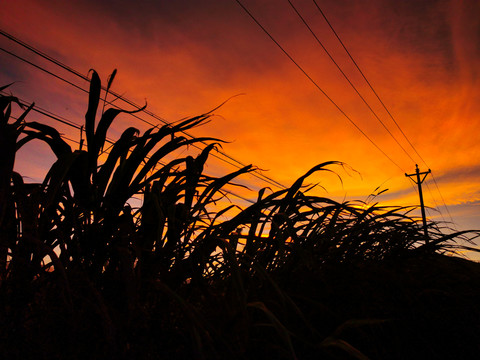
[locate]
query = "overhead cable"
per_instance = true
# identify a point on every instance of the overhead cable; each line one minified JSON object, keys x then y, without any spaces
{"x":316,"y":85}
{"x":380,"y":100}
{"x":257,"y":173}
{"x":348,"y":80}
{"x":110,"y":141}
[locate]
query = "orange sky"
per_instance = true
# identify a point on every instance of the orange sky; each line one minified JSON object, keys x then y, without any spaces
{"x":187,"y":57}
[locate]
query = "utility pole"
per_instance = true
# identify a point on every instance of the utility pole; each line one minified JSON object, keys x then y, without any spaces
{"x":419,"y":182}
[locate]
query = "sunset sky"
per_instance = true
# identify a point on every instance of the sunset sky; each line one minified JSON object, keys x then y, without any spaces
{"x":187,"y":57}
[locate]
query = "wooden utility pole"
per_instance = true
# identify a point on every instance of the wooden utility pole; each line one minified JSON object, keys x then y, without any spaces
{"x":419,"y":182}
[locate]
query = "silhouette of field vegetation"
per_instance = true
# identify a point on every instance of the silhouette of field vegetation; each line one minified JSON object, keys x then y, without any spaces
{"x":86,"y":275}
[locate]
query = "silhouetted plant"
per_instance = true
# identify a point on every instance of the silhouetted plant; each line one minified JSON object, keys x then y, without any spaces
{"x":84,"y":273}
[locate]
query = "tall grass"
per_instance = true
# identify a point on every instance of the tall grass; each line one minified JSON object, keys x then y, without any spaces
{"x":86,"y":274}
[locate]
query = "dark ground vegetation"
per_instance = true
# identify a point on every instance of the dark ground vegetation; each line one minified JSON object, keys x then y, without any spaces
{"x":85,"y":275}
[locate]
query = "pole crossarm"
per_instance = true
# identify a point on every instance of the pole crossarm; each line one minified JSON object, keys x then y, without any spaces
{"x":425,"y":173}
{"x":419,"y":182}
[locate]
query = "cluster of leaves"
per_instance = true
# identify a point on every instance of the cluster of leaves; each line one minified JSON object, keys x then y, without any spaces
{"x":84,"y":274}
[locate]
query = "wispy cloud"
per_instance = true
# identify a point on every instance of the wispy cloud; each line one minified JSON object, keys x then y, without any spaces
{"x":469,"y":174}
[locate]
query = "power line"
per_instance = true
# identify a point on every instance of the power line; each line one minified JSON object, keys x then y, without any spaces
{"x":47,"y":113}
{"x":65,"y":80}
{"x":42,"y":69}
{"x":110,"y":141}
{"x":434,"y":201}
{"x":348,"y":80}
{"x":331,"y":100}
{"x":366,"y":80}
{"x":443,"y":199}
{"x":231,"y":160}
{"x":316,"y":85}
{"x":381,"y":102}
{"x":362,"y":98}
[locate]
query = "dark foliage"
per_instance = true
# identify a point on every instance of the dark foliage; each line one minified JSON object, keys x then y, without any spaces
{"x":85,"y":274}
